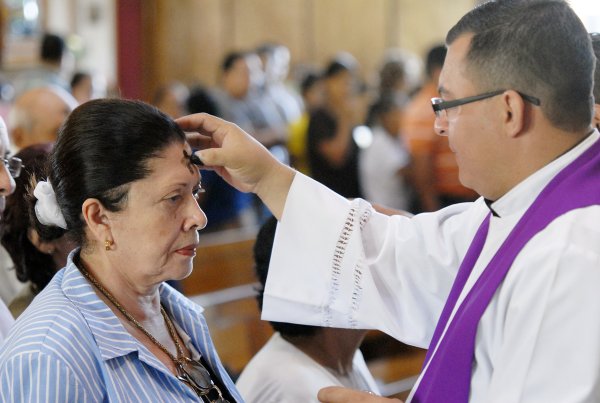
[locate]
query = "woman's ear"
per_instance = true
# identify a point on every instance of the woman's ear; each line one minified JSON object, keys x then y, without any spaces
{"x":97,"y":220}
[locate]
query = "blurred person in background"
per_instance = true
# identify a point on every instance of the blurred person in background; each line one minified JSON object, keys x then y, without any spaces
{"x":313,"y":97}
{"x":82,"y":86}
{"x":332,"y":151}
{"x":37,"y":114}
{"x":276,"y":65}
{"x":384,"y":165}
{"x":171,"y":99}
{"x":266,"y":114}
{"x":35,"y":258}
{"x":241,"y":77}
{"x":51,"y":70}
{"x":391,"y":82}
{"x":225,"y":206}
{"x":314,"y":357}
{"x":435,"y":170}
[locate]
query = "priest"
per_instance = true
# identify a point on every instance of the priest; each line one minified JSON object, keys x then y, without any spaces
{"x":502,"y":291}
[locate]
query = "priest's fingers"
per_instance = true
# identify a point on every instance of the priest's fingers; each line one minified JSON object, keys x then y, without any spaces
{"x":336,"y":394}
{"x":241,"y":160}
{"x":199,"y":141}
{"x":223,"y":144}
{"x":204,"y":124}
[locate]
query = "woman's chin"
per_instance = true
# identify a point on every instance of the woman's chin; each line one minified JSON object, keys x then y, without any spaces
{"x":182,"y":272}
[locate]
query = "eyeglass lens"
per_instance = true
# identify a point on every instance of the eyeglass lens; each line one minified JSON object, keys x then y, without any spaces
{"x":197,"y":376}
{"x":14,"y":166}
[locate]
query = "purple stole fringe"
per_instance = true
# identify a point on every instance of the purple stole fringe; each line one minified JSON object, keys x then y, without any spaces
{"x":448,"y":377}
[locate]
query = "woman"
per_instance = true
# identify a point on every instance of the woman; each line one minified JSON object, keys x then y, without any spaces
{"x":35,"y":259}
{"x":107,"y":328}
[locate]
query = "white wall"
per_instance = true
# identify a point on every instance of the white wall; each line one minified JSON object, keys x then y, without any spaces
{"x":589,"y":12}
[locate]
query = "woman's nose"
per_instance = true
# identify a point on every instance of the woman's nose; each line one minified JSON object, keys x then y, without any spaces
{"x":196,"y":219}
{"x":7,"y":183}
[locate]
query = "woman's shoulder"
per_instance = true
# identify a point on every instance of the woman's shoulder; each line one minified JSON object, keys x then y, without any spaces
{"x":52,"y":341}
{"x":52,"y":324}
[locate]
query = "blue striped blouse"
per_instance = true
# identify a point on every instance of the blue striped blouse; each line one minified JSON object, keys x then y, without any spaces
{"x":68,"y":346}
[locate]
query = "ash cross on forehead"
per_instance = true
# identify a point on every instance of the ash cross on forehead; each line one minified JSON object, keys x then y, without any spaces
{"x":191,"y":159}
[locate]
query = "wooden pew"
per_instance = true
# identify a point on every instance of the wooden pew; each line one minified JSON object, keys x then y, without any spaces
{"x":223,"y":282}
{"x":223,"y":259}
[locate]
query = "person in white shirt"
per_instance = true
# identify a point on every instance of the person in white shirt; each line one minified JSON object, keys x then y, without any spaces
{"x":384,"y":165}
{"x":503,"y":291}
{"x":315,"y":357}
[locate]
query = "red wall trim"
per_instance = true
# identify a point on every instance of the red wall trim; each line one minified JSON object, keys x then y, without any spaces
{"x":129,"y":48}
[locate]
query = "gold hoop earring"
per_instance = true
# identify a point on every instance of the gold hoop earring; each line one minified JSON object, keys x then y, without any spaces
{"x":108,"y":244}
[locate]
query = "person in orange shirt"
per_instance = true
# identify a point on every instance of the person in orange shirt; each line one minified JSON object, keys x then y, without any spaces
{"x":435,"y":172}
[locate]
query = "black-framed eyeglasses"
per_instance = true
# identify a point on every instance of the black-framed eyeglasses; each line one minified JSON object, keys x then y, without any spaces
{"x":439,"y":105}
{"x":14,"y":166}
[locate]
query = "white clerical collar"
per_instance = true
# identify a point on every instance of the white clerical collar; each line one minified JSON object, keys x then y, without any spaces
{"x":521,"y":196}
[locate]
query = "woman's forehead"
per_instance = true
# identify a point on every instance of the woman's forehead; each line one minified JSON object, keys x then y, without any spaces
{"x":171,"y":159}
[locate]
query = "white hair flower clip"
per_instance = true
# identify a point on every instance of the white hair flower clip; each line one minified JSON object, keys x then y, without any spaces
{"x":46,"y":207}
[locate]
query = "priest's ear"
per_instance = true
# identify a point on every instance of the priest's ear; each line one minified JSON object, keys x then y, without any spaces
{"x":596,"y":119}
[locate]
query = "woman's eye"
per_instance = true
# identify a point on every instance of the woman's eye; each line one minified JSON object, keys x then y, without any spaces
{"x":174,"y":198}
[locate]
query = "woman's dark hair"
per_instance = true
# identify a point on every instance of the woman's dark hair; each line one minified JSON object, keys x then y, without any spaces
{"x":262,"y":256}
{"x":30,"y":264}
{"x":103,"y":146}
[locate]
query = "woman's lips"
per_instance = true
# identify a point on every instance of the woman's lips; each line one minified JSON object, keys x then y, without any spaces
{"x":189,"y":250}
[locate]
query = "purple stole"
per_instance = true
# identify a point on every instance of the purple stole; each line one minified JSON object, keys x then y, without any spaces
{"x":448,"y":377}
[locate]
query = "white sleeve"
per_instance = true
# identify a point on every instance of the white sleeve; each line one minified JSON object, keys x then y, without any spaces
{"x":340,"y":264}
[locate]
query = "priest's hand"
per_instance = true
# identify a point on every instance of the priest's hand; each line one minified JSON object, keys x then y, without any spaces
{"x":241,"y":160}
{"x":336,"y":394}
